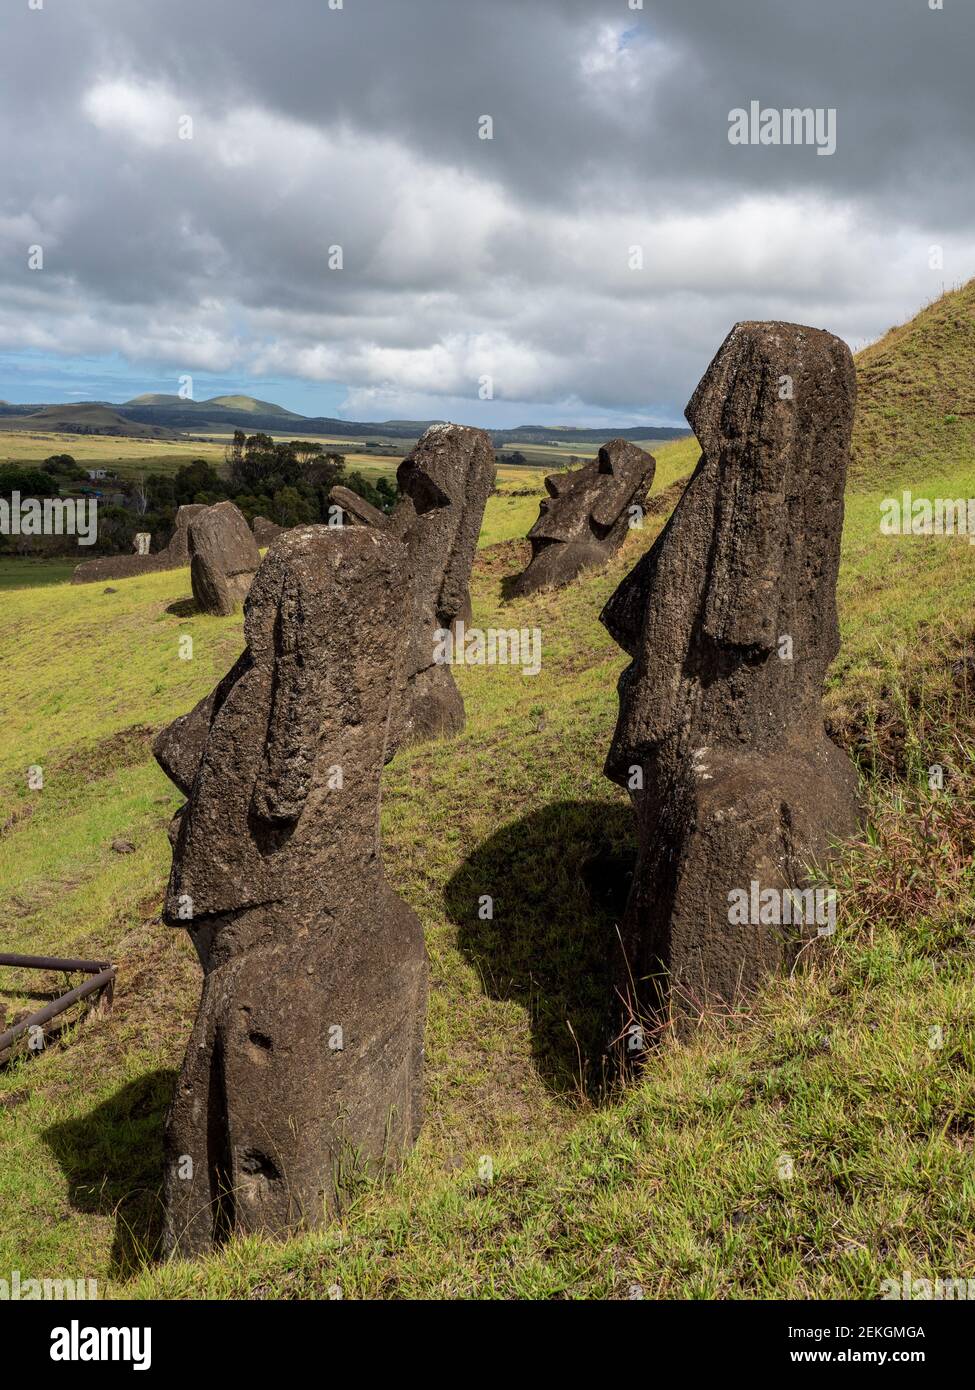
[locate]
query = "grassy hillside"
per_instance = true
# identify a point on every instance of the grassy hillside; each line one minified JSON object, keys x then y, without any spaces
{"x":916,"y":406}
{"x":674,"y":1186}
{"x":85,"y":419}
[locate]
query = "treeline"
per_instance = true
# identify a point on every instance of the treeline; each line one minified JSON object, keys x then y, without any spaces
{"x":288,"y":483}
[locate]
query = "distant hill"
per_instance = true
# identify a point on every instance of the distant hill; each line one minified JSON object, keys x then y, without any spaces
{"x":569,"y":434}
{"x":151,"y":398}
{"x":160,"y":416}
{"x":248,"y":413}
{"x":916,"y":395}
{"x":250,"y":405}
{"x":89,"y":417}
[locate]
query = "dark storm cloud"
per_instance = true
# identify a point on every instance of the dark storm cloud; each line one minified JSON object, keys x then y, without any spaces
{"x":358,"y":126}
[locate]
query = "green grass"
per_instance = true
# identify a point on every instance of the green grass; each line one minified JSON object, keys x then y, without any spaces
{"x":675,"y":1185}
{"x":916,"y":406}
{"x":24,"y":572}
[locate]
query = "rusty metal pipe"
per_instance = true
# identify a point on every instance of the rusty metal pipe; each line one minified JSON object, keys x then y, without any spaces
{"x":105,"y":977}
{"x":91,"y":967}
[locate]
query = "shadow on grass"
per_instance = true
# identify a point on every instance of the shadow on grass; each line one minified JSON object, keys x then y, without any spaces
{"x":112,"y":1158}
{"x":558,"y":880}
{"x":183,"y":608}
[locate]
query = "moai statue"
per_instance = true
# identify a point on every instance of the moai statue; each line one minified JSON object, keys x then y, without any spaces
{"x":223,"y":559}
{"x":730,"y":621}
{"x":587,"y":515}
{"x":174,"y":556}
{"x":444,"y":485}
{"x":178,"y":549}
{"x":306,"y":1056}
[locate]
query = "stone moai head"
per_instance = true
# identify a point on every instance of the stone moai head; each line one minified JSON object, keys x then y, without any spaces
{"x":281,"y":763}
{"x":730,"y":617}
{"x":586,"y":516}
{"x":444,"y":485}
{"x":223,"y":558}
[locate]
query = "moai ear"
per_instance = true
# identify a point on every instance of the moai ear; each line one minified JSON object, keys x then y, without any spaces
{"x":740,"y":602}
{"x":297,"y":690}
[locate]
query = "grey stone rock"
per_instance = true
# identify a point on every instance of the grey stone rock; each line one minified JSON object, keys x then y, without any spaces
{"x":265,"y":531}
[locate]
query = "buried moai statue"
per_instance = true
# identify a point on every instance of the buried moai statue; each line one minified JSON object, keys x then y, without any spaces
{"x":444,"y":485}
{"x":223,"y":559}
{"x":142,"y":561}
{"x":305,"y":1061}
{"x":730,"y":621}
{"x":585,"y":518}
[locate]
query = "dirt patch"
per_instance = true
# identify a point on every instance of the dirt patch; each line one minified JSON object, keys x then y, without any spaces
{"x":505,"y":557}
{"x":663,"y":502}
{"x":20,"y":813}
{"x":127,"y":748}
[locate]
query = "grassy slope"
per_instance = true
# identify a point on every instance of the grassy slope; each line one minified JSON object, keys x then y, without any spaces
{"x":676,"y":1185}
{"x":916,"y":406}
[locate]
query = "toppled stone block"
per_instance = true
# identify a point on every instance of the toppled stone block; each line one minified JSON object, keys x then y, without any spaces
{"x":174,"y":556}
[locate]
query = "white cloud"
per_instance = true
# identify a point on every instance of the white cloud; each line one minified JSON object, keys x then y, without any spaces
{"x":462,"y":258}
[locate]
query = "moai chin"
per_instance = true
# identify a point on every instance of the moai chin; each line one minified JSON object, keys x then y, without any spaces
{"x":306,"y":1055}
{"x":444,"y":485}
{"x":730,"y":621}
{"x":586,"y":516}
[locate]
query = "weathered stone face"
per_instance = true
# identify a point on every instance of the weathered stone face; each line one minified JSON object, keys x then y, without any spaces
{"x":309,"y":1040}
{"x":444,"y":485}
{"x":730,"y":620}
{"x":174,"y":556}
{"x":223,"y":559}
{"x":587,"y":515}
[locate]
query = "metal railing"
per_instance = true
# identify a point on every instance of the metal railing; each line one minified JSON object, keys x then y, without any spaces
{"x":102,"y":974}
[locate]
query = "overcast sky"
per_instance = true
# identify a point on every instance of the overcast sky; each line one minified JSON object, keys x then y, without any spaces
{"x":463,"y":258}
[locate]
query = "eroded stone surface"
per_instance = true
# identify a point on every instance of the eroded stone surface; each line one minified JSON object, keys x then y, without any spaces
{"x":308,"y":1044}
{"x":223,"y":558}
{"x":730,"y":621}
{"x":585,"y":518}
{"x":444,"y":485}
